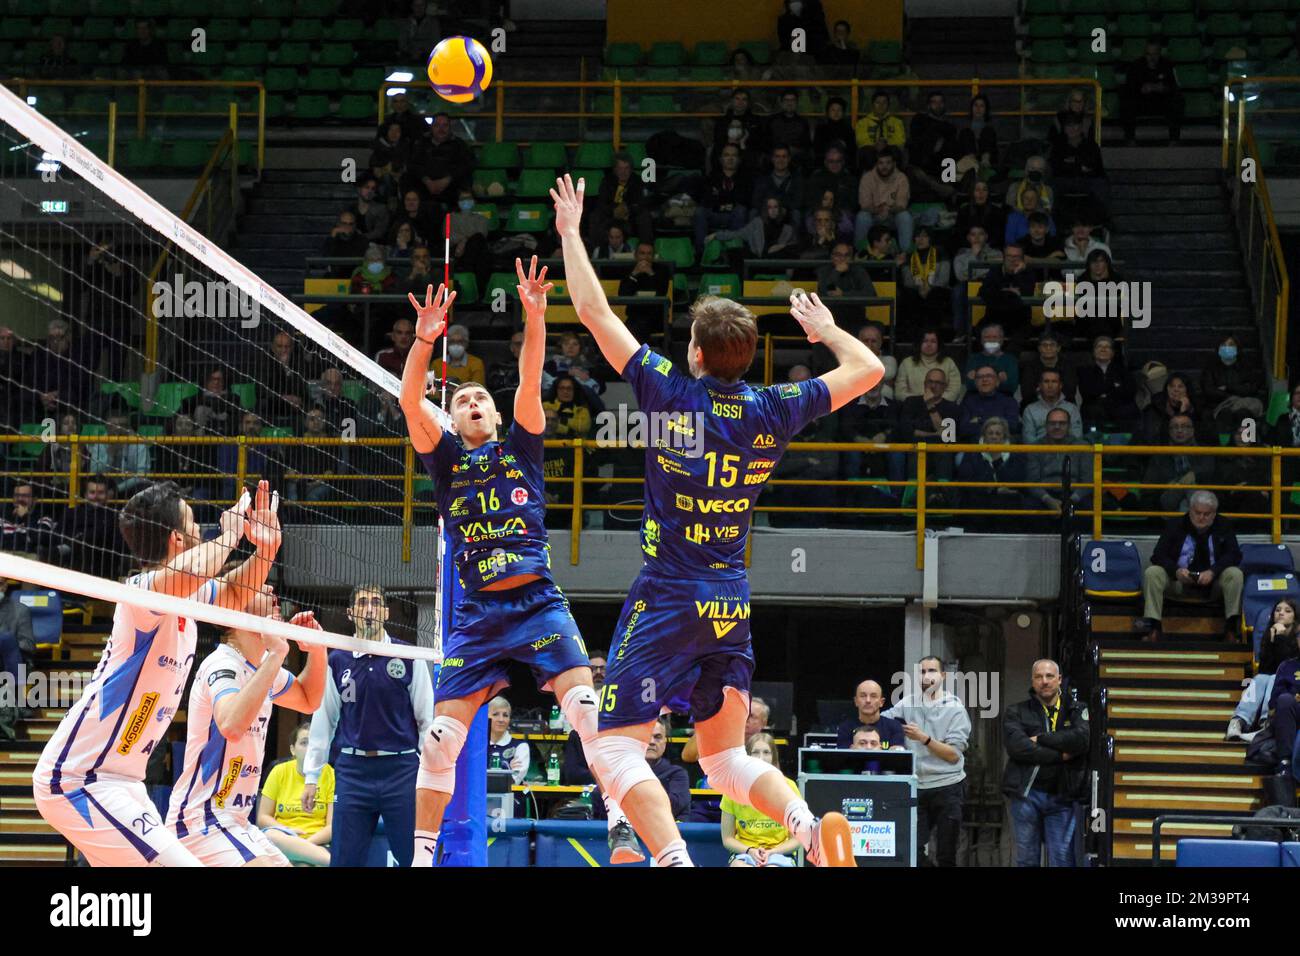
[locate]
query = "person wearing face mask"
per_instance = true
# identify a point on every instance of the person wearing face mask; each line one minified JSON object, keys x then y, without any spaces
{"x":469,"y":239}
{"x":739,"y":125}
{"x":461,"y":365}
{"x":1232,"y":388}
{"x":992,"y":341}
{"x":373,"y":275}
{"x":1035,"y":179}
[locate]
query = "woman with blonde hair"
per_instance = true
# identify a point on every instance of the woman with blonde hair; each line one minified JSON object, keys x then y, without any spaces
{"x":752,"y":838}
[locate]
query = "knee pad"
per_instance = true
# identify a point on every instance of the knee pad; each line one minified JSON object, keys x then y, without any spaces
{"x":733,"y":772}
{"x":580,"y":706}
{"x":442,"y":745}
{"x":620,"y":764}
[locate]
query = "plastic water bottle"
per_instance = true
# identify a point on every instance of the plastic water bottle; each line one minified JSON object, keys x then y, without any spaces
{"x":557,"y":721}
{"x":496,"y":761}
{"x":553,"y":769}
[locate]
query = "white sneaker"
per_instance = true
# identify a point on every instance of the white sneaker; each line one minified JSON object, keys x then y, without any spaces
{"x":1236,"y":729}
{"x":832,"y":842}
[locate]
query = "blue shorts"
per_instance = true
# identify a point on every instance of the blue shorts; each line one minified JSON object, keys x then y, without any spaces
{"x":530,"y":624}
{"x":677,"y":645}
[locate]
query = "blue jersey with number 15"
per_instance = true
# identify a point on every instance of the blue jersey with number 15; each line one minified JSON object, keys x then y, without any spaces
{"x":700,"y":488}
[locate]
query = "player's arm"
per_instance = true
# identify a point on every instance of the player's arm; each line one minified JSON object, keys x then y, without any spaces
{"x":430,"y":321}
{"x":616,"y":343}
{"x":859,"y":369}
{"x":308,"y":688}
{"x":528,"y":396}
{"x":234,"y":712}
{"x":262,"y":529}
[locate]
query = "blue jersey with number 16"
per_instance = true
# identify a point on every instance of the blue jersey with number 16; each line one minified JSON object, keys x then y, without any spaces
{"x":700,"y":486}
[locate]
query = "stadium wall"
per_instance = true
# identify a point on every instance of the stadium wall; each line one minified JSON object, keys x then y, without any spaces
{"x":689,"y":21}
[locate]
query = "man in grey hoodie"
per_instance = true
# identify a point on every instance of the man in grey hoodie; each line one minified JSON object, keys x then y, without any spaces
{"x":937,"y":728}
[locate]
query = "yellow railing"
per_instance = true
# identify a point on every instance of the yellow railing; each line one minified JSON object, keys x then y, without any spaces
{"x":1265,"y":259}
{"x":922,"y":484}
{"x":853,"y":88}
{"x":24,"y":86}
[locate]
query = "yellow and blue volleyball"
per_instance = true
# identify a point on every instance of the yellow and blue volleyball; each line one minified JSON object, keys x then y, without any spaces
{"x":459,"y":69}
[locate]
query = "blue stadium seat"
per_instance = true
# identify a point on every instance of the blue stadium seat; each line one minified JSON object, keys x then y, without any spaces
{"x":1235,"y":853}
{"x":1264,"y":558}
{"x":47,"y":614}
{"x":1290,"y":855}
{"x":1111,"y":569}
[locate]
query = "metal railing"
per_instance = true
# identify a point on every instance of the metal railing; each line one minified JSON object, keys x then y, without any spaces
{"x":918,"y":512}
{"x":852,"y":90}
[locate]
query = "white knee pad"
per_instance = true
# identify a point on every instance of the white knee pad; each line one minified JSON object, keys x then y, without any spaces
{"x":580,"y":706}
{"x":733,"y":772}
{"x":620,"y":764}
{"x":442,"y":745}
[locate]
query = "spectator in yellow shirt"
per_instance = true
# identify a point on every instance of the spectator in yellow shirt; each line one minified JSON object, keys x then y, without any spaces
{"x":878,"y":129}
{"x":569,"y":402}
{"x":303,"y":837}
{"x":752,"y":838}
{"x":461,"y":365}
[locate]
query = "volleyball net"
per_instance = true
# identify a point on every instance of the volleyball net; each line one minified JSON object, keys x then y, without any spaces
{"x":135,"y":348}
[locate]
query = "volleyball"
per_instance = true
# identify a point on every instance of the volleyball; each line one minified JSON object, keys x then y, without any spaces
{"x":459,"y":69}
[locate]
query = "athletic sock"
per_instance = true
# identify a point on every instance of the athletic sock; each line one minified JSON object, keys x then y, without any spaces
{"x":614,"y":814}
{"x":674,"y":854}
{"x":426,"y":845}
{"x":799,"y":822}
{"x":579,"y":706}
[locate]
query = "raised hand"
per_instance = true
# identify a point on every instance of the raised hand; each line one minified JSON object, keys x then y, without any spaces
{"x":276,"y":646}
{"x":232,"y":519}
{"x":813,"y":317}
{"x":568,"y":205}
{"x":308,"y":619}
{"x":533,"y":287}
{"x":262,"y":524}
{"x":431,"y":318}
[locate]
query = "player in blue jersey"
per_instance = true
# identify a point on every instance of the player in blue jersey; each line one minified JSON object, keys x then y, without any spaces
{"x":684,"y":630}
{"x":491,"y":497}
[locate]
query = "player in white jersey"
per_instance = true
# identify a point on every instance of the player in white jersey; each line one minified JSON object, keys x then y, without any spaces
{"x":227,"y":716}
{"x":89,"y":782}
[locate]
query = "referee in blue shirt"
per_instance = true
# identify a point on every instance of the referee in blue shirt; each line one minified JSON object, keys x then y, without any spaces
{"x":377,"y":710}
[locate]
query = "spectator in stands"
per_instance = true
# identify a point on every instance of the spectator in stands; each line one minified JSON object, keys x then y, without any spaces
{"x":841,"y":52}
{"x":672,"y":777}
{"x":1105,"y":391}
{"x":834,"y":130}
{"x":938,"y":730}
{"x":884,"y":194}
{"x":984,"y":402}
{"x":145,"y":56}
{"x":54,"y":63}
{"x":1050,"y":467}
{"x":462,"y":366}
{"x":441,"y":163}
{"x":27,"y":525}
{"x":14,"y":380}
{"x":787,"y":128}
{"x":926,"y":296}
{"x":572,"y":407}
{"x":344,"y":242}
{"x":646,"y":278}
{"x":86,"y":538}
{"x":1050,"y":397}
{"x":990,"y":466}
{"x":1151,"y":89}
{"x":722,"y":197}
{"x":130,"y":460}
{"x":402,"y":337}
{"x":283,"y":394}
{"x":864,"y":738}
{"x":751,"y":125}
{"x":105,"y":309}
{"x":833,"y":177}
{"x":338,"y":408}
{"x":964,"y":271}
{"x":418,"y":33}
{"x":981,"y":211}
{"x":878,"y":131}
{"x":805,"y":466}
{"x":1284,"y":708}
{"x":263,"y":461}
{"x":742,"y":67}
{"x":503,"y":749}
{"x":1078,"y":168}
{"x":822,"y":237}
{"x":215,"y":410}
{"x":1176,"y":398}
{"x":194,"y":463}
{"x":872,"y":418}
{"x":404,"y":240}
{"x":1238,"y":470}
{"x":571,"y":353}
{"x":1080,"y":243}
{"x":574,"y":771}
{"x":992,"y":352}
{"x":808,"y":17}
{"x":1035,"y":179}
{"x":370,"y":211}
{"x":419,"y":214}
{"x":783,"y":181}
{"x":469,"y":239}
{"x":842,"y":276}
{"x":914,"y":372}
{"x":301,"y":836}
{"x":421,"y":276}
{"x":1049,"y":356}
{"x":1197,"y":554}
{"x":1101,"y":279}
{"x":17,"y":652}
{"x":1233,"y":389}
{"x":302,"y":459}
{"x":930,"y":418}
{"x":1286,"y":434}
{"x":1018,"y":220}
{"x":1039,"y":243}
{"x":1276,"y":644}
{"x":770,"y":234}
{"x":1180,"y":469}
{"x":933,"y":139}
{"x":1047,"y":739}
{"x":1004,"y":288}
{"x":873,"y":337}
{"x":1075,"y":110}
{"x":504,"y":376}
{"x":621,"y":198}
{"x":400,"y":111}
{"x":977,"y":143}
{"x":57,"y":456}
{"x":752,"y":838}
{"x":868,"y":699}
{"x":389,"y":157}
{"x":615,"y":245}
{"x":840,"y":225}
{"x":59,"y":371}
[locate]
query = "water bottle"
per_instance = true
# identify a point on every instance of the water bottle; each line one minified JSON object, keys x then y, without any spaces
{"x":496,"y":761}
{"x":556,"y":720}
{"x":553,"y":769}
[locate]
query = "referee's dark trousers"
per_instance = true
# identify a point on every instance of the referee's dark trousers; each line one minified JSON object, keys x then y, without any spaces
{"x":368,"y":788}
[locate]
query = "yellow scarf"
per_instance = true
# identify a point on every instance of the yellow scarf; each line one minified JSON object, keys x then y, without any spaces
{"x":924,"y":270}
{"x":1053,"y":713}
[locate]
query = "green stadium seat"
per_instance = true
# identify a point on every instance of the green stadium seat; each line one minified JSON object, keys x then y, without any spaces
{"x":186,"y":154}
{"x":240,"y":74}
{"x":15,"y":29}
{"x":501,"y":280}
{"x":546,"y":156}
{"x":1175,"y":6}
{"x":248,"y":54}
{"x":1272,"y":48}
{"x":594,"y":155}
{"x":141,"y":154}
{"x":1224,"y":47}
{"x":678,"y":250}
{"x":1084,"y":52}
{"x":385,"y":31}
{"x":1132,"y":48}
{"x":710,"y":53}
{"x":346,"y":31}
{"x":49,"y":99}
{"x":29,"y":8}
{"x":1180,"y":25}
{"x":337,"y":54}
{"x":168,"y":397}
{"x":594,"y":178}
{"x":1039,"y":8}
{"x":1224,"y":25}
{"x":667,"y":54}
{"x":1130,"y":6}
{"x":1193,"y":76}
{"x":91,"y":103}
{"x":247,"y":393}
{"x":1185,"y":50}
{"x":27,"y":449}
{"x":311,"y":107}
{"x":181,"y":30}
{"x":1135,"y":25}
{"x":127,"y":392}
{"x":111,"y":8}
{"x":316,"y":8}
{"x":357,"y":106}
{"x":276,"y":106}
{"x":150,"y":8}
{"x":1082,"y":26}
{"x":535,"y":182}
{"x":93,"y":431}
{"x":1213,"y":6}
{"x":1269,"y":24}
{"x":293,"y":54}
{"x":277,"y":432}
{"x":529,"y":217}
{"x":305,"y":31}
{"x":660,"y":74}
{"x":98,"y":29}
{"x":483,"y":178}
{"x":354,"y":390}
{"x":499,"y":156}
{"x":636,"y":151}
{"x":466,"y":284}
{"x":367,"y":79}
{"x":623,"y":54}
{"x":151,"y":431}
{"x":264,"y":31}
{"x":322,"y":79}
{"x":658,"y":103}
{"x":720,"y":283}
{"x":180,"y":103}
{"x":1049,"y":51}
{"x":761,"y":51}
{"x":489,"y":212}
{"x":281,"y":79}
{"x":247,"y":153}
{"x":219,"y":31}
{"x":706,"y":74}
{"x":1046,"y":28}
{"x":883,"y":52}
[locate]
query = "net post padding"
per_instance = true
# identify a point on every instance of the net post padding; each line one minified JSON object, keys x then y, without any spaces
{"x":63,"y":579}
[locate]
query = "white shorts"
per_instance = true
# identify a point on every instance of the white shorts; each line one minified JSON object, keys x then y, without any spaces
{"x":113,"y":823}
{"x":232,"y":843}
